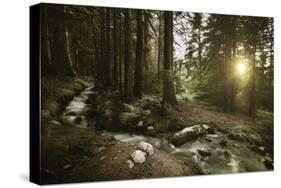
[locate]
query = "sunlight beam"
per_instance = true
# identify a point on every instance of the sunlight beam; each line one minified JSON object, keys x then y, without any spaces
{"x":241,"y":68}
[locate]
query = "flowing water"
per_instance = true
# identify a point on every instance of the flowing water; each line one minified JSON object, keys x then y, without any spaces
{"x":207,"y":151}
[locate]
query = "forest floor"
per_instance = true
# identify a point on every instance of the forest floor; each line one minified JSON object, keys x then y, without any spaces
{"x":71,"y":154}
{"x":262,"y":124}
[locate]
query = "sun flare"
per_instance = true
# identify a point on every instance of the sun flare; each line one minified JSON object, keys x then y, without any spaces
{"x":241,"y":68}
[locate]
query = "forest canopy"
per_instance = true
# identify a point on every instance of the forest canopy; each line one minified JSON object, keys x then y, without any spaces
{"x":226,"y":60}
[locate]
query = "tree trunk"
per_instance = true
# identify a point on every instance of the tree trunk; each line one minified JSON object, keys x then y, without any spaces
{"x":252,"y":97}
{"x":68,"y":50}
{"x":102,"y":43}
{"x":115,"y":49}
{"x":160,"y":46}
{"x":128,"y":56}
{"x":97,"y":54}
{"x":120,"y":54}
{"x":139,"y":56}
{"x":48,"y":38}
{"x":227,"y":64}
{"x":169,"y":95}
{"x":59,"y":46}
{"x":146,"y":81}
{"x":232,"y":68}
{"x":108,"y":50}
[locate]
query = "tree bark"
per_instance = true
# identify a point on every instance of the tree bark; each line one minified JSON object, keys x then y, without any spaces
{"x":252,"y":99}
{"x":232,"y":68}
{"x":160,"y":46}
{"x":102,"y":45}
{"x":139,"y":56}
{"x":68,"y":50}
{"x":128,"y":56}
{"x":115,"y":49}
{"x":169,"y":95}
{"x":108,"y":49}
{"x":120,"y":53}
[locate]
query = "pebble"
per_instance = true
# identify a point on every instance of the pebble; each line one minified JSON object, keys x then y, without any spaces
{"x":147,"y":112}
{"x":130,"y":163}
{"x":149,"y":128}
{"x":138,"y":156}
{"x":148,"y":148}
{"x":102,"y":158}
{"x":140,"y":124}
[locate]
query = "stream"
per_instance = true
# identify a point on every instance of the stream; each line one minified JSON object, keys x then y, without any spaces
{"x":208,"y":152}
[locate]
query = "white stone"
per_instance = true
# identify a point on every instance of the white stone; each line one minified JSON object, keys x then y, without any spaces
{"x":130,"y":163}
{"x":148,"y":148}
{"x":55,"y":122}
{"x":138,"y":156}
{"x":140,"y":124}
{"x":147,"y":112}
{"x":150,"y":128}
{"x":129,"y":108}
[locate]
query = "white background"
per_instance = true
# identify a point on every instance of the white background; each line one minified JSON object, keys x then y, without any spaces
{"x":14,"y":91}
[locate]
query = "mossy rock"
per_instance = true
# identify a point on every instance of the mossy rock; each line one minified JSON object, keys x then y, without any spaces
{"x":238,"y":135}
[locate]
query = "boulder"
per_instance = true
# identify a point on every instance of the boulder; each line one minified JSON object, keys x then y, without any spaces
{"x":254,"y":139}
{"x":78,"y":120}
{"x":187,"y":134}
{"x":226,"y":154}
{"x":148,"y":148}
{"x":151,"y":103}
{"x":140,"y":124}
{"x":128,"y":119}
{"x":211,"y":130}
{"x":147,"y":112}
{"x":223,"y":143}
{"x":138,"y":156}
{"x":237,"y":135}
{"x":203,"y":152}
{"x":268,"y":163}
{"x":258,"y":149}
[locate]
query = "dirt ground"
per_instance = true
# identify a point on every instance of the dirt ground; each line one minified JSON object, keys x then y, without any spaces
{"x":72,"y":154}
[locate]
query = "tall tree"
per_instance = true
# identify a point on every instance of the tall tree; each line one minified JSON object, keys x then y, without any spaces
{"x":120,"y":52}
{"x":252,"y":26}
{"x":115,"y":48}
{"x":59,"y":42}
{"x":128,"y":55}
{"x":108,"y":48}
{"x":169,"y":95}
{"x":139,"y":56}
{"x":160,"y":45}
{"x":102,"y":44}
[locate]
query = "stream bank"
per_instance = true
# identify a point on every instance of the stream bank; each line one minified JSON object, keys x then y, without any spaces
{"x":75,"y":154}
{"x":97,"y":133}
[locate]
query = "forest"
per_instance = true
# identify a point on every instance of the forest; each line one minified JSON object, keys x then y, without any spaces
{"x":132,"y":93}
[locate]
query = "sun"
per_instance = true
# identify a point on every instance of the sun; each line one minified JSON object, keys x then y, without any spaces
{"x":241,"y":68}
